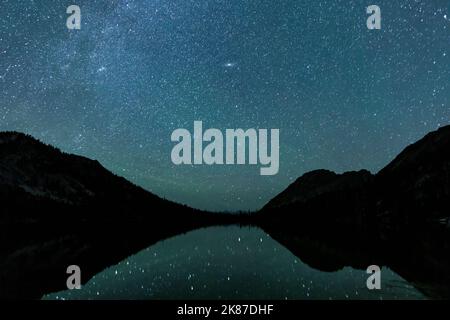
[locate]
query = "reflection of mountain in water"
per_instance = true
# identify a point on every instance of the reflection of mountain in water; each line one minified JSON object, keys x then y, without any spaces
{"x":234,"y":263}
{"x":420,"y":256}
{"x":60,"y":209}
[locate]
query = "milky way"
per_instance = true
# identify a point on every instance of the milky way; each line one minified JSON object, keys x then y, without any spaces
{"x":344,"y":97}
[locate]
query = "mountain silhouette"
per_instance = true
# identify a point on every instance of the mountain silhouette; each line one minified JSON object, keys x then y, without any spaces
{"x":323,"y":194}
{"x":39,"y":182}
{"x":60,"y":209}
{"x":415,"y":186}
{"x":396,"y":218}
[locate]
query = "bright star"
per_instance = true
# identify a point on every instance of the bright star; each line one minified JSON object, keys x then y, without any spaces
{"x":230,"y":64}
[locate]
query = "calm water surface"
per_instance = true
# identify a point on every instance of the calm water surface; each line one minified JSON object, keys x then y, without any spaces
{"x":230,"y":263}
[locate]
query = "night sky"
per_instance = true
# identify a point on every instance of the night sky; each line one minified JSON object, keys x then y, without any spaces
{"x":344,"y":97}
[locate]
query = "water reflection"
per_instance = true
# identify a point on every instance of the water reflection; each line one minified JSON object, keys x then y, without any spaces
{"x":231,"y":263}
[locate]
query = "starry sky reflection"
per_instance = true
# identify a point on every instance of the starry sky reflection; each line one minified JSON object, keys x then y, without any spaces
{"x":235,"y":263}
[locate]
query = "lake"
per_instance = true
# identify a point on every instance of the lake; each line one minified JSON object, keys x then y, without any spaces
{"x":230,"y":263}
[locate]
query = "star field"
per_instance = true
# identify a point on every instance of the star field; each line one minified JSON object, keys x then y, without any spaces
{"x":344,"y":97}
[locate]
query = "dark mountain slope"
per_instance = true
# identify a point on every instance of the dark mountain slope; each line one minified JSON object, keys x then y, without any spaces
{"x":323,"y":193}
{"x":417,"y":182}
{"x":414,"y":186}
{"x":38,"y":182}
{"x":59,"y":209}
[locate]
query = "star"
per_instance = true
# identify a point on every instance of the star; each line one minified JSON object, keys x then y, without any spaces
{"x":137,"y":71}
{"x":230,"y":64}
